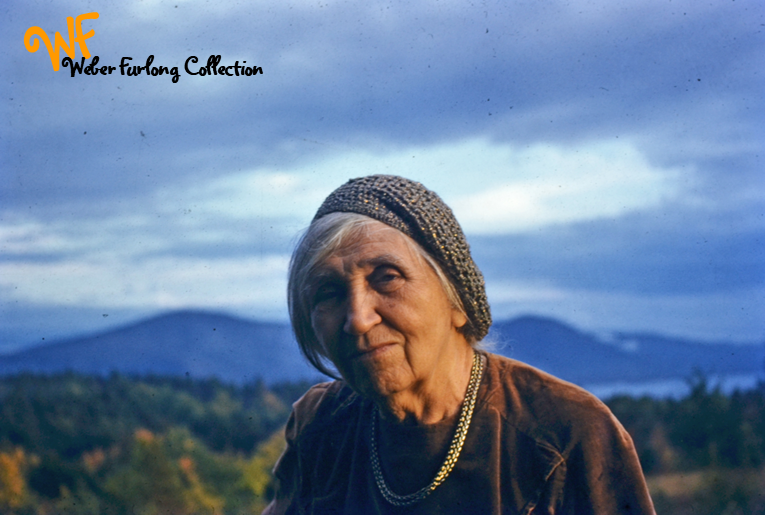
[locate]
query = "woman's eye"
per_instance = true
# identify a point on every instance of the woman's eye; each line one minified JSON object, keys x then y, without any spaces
{"x":326,"y":292}
{"x":387,"y":279}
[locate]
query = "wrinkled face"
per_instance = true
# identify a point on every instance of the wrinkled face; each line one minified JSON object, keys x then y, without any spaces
{"x":380,"y":313}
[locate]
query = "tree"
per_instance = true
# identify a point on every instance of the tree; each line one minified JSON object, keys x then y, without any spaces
{"x":154,"y":483}
{"x":13,"y":485}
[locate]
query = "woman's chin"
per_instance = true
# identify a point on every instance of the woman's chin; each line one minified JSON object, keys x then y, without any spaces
{"x":380,"y":375}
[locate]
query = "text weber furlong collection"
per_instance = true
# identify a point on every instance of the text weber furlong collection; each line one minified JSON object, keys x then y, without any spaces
{"x":213,"y":67}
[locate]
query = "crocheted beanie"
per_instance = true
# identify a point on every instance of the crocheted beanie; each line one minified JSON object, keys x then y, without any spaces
{"x":419,"y":213}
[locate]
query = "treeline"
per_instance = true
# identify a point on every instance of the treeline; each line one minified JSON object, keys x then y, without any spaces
{"x":92,"y":445}
{"x":707,"y":428}
{"x":703,"y":454}
{"x":73,"y":444}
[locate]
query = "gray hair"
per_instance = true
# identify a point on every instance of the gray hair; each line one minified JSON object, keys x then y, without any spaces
{"x":323,"y":238}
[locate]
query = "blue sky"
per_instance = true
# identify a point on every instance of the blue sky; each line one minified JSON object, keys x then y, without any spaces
{"x":604,"y":158}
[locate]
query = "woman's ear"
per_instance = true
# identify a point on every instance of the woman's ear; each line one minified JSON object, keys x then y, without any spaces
{"x":459,"y":318}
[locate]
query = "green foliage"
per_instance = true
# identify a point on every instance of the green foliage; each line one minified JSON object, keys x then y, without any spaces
{"x":72,"y":444}
{"x":161,"y":476}
{"x":257,"y":476}
{"x":710,"y":491}
{"x":705,"y":429}
{"x":704,"y":454}
{"x":71,"y":414}
{"x":80,"y":445}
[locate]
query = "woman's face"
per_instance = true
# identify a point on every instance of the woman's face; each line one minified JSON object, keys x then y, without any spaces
{"x":381,"y":314}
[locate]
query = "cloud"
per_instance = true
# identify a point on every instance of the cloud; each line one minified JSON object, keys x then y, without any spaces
{"x":564,"y":221}
{"x":159,"y":283}
{"x":667,"y":251}
{"x":715,"y":316}
{"x":374,"y":75}
{"x":592,"y":150}
{"x":519,"y":188}
{"x":548,"y":184}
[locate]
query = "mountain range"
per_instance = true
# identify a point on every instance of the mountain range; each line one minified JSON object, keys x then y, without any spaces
{"x":204,"y":344}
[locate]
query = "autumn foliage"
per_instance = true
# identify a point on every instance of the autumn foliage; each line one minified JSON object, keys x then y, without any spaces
{"x":73,"y":444}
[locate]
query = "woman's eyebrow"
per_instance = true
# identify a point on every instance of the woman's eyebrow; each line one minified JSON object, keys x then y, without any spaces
{"x":382,"y":259}
{"x":322,"y":275}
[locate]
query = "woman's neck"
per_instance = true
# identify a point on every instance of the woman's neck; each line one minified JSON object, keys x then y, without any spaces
{"x":435,"y":398}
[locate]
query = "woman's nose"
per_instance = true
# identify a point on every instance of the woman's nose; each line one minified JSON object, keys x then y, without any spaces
{"x":362,"y":312}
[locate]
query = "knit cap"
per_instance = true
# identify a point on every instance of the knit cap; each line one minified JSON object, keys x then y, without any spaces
{"x":419,"y":213}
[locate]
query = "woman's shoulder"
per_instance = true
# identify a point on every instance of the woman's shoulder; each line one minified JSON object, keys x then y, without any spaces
{"x":324,"y":404}
{"x":545,"y":407}
{"x":520,"y":379}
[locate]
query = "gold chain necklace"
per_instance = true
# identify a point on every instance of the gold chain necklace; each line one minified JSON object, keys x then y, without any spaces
{"x":466,"y":415}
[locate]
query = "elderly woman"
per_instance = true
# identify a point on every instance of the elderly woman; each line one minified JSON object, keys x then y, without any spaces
{"x":384,"y":296}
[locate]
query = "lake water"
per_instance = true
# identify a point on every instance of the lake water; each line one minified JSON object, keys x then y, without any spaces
{"x":673,"y":388}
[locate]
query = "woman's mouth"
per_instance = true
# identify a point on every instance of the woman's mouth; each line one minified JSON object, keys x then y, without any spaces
{"x":375,"y":352}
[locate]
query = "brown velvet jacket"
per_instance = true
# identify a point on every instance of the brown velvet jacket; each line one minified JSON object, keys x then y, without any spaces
{"x":536,"y":445}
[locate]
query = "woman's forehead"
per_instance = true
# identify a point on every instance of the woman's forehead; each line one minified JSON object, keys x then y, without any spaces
{"x":377,"y":244}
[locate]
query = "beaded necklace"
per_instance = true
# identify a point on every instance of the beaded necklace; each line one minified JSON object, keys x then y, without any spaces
{"x":466,"y":415}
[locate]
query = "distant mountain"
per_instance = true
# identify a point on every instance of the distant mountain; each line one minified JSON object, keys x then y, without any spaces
{"x":197,"y":343}
{"x":203,"y":344}
{"x":585,"y":358}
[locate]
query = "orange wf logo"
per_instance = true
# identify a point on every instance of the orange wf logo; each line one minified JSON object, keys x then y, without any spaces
{"x":33,"y":35}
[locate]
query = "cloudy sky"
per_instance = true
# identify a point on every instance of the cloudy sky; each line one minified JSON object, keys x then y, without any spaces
{"x":604,"y":158}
